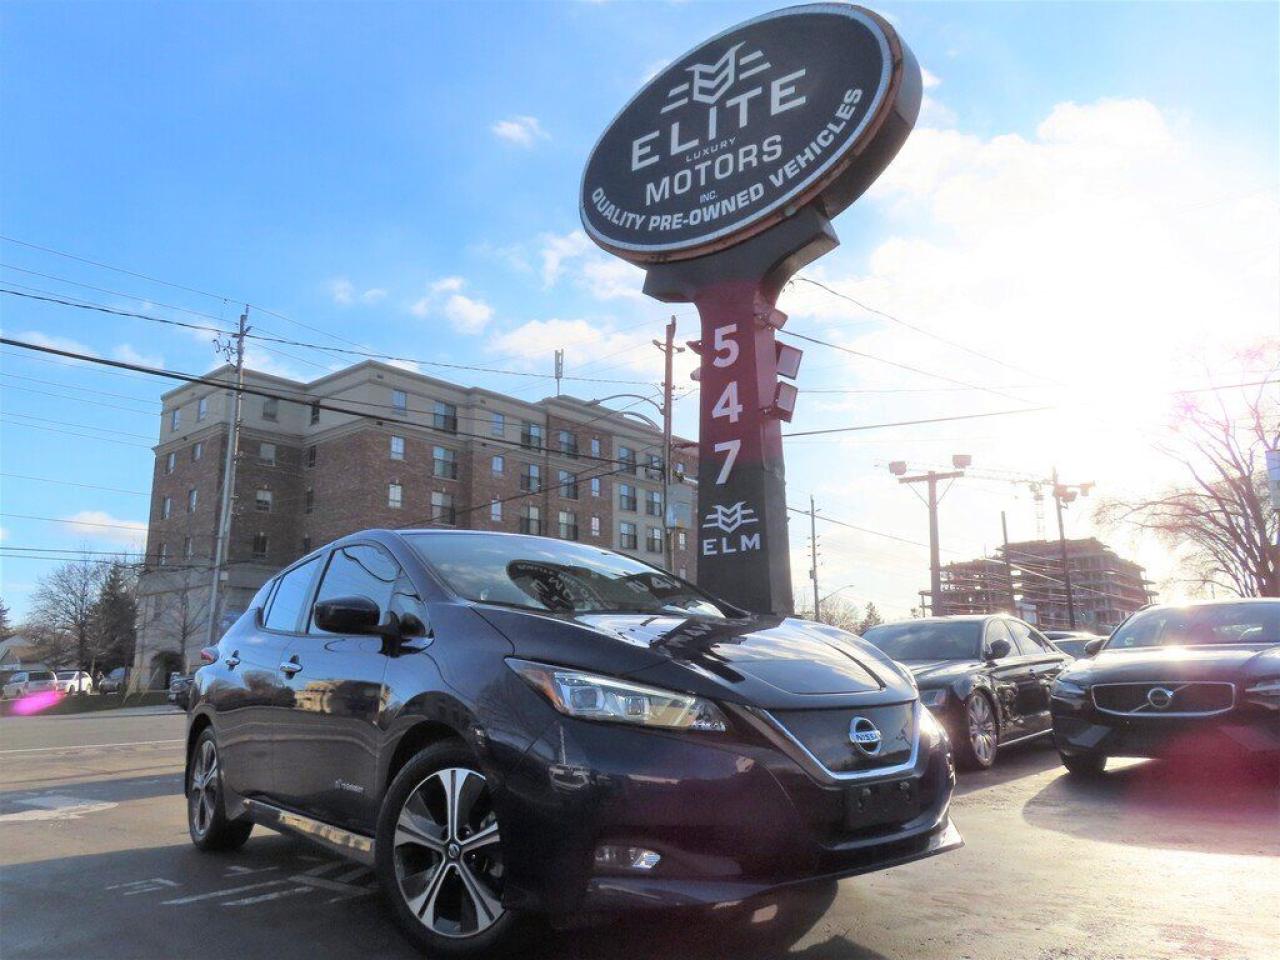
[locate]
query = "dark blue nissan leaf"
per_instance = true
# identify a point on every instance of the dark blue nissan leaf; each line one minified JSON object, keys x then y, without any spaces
{"x":509,"y":727}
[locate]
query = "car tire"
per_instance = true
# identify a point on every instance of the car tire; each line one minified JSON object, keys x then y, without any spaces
{"x":1084,"y":764}
{"x":206,"y":812}
{"x":444,"y":883}
{"x":979,"y":736}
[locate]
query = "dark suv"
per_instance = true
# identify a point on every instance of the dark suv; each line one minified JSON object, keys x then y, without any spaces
{"x":507,"y":725}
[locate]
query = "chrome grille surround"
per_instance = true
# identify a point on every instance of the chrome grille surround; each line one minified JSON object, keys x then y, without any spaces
{"x":1137,"y":692}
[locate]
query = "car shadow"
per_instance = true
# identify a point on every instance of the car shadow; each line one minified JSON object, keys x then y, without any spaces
{"x":118,"y":790}
{"x":1210,"y":806}
{"x":1012,"y":763}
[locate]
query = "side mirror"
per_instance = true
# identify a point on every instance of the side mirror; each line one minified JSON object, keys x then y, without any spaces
{"x":1093,"y":646}
{"x":999,"y":649}
{"x":352,"y":615}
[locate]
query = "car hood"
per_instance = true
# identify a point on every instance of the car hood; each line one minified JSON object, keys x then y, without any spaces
{"x":1225,"y":662}
{"x":938,"y":673}
{"x":767,"y":661}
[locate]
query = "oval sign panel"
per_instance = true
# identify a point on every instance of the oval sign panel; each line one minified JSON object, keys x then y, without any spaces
{"x":803,"y":104}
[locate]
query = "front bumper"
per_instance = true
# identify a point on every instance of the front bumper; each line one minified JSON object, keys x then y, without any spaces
{"x":732,"y":818}
{"x":1244,"y":732}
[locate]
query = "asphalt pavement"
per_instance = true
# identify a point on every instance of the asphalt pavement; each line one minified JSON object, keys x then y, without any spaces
{"x":1151,"y":862}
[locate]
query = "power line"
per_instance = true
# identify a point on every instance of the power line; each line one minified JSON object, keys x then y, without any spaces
{"x":70,"y":433}
{"x":72,"y":483}
{"x":69,"y":386}
{"x":76,"y":523}
{"x":912,"y":423}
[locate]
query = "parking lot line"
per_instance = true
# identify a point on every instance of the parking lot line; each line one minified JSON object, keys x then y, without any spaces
{"x":90,"y":746}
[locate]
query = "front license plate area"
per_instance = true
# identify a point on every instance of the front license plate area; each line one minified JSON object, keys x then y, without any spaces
{"x":876,"y":804}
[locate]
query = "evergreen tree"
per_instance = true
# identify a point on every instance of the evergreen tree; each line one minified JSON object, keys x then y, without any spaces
{"x":6,"y":631}
{"x":870,"y":619}
{"x":114,"y":622}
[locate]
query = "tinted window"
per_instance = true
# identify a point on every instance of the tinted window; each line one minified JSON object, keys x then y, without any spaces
{"x":1245,"y":622}
{"x":1072,"y":648}
{"x":41,"y":675}
{"x":996,"y":630}
{"x":1022,"y":641}
{"x":928,"y":639}
{"x":359,"y":571}
{"x":538,"y":574}
{"x":290,"y":595}
{"x":67,"y":674}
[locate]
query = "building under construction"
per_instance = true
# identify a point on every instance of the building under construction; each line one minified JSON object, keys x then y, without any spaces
{"x":1031,"y":582}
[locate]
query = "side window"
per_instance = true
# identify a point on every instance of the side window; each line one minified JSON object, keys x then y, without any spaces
{"x":259,"y":601}
{"x":996,"y":630}
{"x":362,"y":570}
{"x":1022,"y":638}
{"x":1041,"y":641}
{"x":291,"y":594}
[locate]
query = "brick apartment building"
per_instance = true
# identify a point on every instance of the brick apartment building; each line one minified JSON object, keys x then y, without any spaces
{"x":426,"y":453}
{"x":1105,"y":587}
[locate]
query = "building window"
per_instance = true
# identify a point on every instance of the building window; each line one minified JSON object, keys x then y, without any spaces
{"x":315,"y":412}
{"x":531,"y":520}
{"x":681,"y":540}
{"x":270,"y":408}
{"x":627,"y":497}
{"x":595,"y":447}
{"x":627,"y":459}
{"x":170,"y":462}
{"x":442,"y":507}
{"x":495,"y":510}
{"x":397,"y":448}
{"x":166,"y":508}
{"x":444,"y":463}
{"x":497,"y":465}
{"x":395,"y":496}
{"x":309,"y":501}
{"x":444,"y":416}
{"x":568,"y":485}
{"x":595,"y":526}
{"x":684,"y":573}
{"x":267,"y":454}
{"x":202,"y":408}
{"x":260,"y":545}
{"x":175,"y":418}
{"x":311,"y":455}
{"x":162,"y":555}
{"x":193,"y":497}
{"x":188,"y":550}
{"x":654,"y":470}
{"x":262,"y":503}
{"x":531,"y":478}
{"x":498,"y":425}
{"x":567,"y":443}
{"x":197,"y":450}
{"x":306,"y":544}
{"x":628,"y":535}
{"x":568,"y":525}
{"x":653,"y":503}
{"x":595,"y":486}
{"x":653,"y":540}
{"x":399,"y":401}
{"x":531,"y":435}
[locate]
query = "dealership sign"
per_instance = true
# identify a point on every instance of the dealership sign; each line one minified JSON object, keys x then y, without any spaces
{"x":720,"y":178}
{"x":743,"y":130}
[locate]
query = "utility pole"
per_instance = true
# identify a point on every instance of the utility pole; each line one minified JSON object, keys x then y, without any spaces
{"x":813,"y":558}
{"x":1008,"y":567}
{"x":221,"y":543}
{"x":898,"y":468}
{"x":1065,"y":493}
{"x":669,"y":350}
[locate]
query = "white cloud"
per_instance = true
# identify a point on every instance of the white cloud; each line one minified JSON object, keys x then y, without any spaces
{"x":344,"y":294}
{"x":58,"y":343}
{"x":930,"y":80}
{"x":128,"y":354}
{"x":467,"y":315}
{"x":448,"y":285}
{"x":523,"y":131}
{"x":603,"y":276}
{"x":100,"y":525}
{"x":4,"y":534}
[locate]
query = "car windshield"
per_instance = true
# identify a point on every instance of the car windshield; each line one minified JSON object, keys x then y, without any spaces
{"x":535,"y":573}
{"x":1219,"y":623}
{"x":928,"y":640}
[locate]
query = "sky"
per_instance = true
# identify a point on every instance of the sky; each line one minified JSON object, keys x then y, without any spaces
{"x":1087,"y":217}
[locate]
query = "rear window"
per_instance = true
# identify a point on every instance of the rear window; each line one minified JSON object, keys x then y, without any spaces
{"x":41,"y":675}
{"x":68,"y":674}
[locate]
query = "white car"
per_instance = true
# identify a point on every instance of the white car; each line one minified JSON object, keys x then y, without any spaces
{"x":28,"y":681}
{"x":76,"y":682}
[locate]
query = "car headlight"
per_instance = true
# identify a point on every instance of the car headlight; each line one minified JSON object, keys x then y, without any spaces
{"x":934,"y":698}
{"x":589,"y":696}
{"x":1069,"y":690}
{"x":1266,"y":693}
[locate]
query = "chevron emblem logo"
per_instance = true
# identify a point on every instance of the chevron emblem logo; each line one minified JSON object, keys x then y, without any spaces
{"x":708,"y":82}
{"x":729,"y":519}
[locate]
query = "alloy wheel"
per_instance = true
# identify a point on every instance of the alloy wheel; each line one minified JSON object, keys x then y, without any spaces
{"x":448,"y":855}
{"x":203,"y":797}
{"x":982,"y":729}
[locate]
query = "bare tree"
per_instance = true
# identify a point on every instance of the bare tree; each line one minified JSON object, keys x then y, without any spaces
{"x":183,"y":616}
{"x":62,"y":611}
{"x":1220,"y":516}
{"x":836,"y":613}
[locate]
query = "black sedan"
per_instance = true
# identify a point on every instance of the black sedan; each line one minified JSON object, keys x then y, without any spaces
{"x":986,"y":677}
{"x":1072,"y":642}
{"x":506,"y":726}
{"x":1197,"y":682}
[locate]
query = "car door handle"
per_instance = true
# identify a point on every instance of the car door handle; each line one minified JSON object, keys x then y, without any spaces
{"x":290,"y":667}
{"x":233,"y":660}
